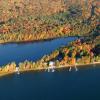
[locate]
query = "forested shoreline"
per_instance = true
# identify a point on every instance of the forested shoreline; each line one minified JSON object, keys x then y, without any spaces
{"x":80,"y":19}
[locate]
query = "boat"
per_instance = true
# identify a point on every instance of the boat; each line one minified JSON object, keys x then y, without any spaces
{"x":17,"y":70}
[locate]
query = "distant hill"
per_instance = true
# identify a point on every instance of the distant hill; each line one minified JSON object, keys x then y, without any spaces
{"x":28,"y":20}
{"x":14,"y":8}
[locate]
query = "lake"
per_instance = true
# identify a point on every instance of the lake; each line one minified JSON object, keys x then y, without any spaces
{"x":60,"y":85}
{"x":40,"y":85}
{"x":30,"y":51}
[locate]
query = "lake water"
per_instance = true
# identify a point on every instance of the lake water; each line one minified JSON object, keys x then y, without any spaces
{"x":30,"y":51}
{"x":60,"y":85}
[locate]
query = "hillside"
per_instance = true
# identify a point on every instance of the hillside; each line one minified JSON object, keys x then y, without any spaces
{"x":15,"y":8}
{"x":29,"y":20}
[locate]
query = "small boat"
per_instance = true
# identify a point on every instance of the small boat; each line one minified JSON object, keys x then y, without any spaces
{"x":76,"y":69}
{"x":53,"y":70}
{"x":70,"y":69}
{"x":48,"y":70}
{"x":17,"y":70}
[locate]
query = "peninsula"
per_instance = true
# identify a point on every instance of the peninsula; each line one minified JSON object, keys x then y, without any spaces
{"x":34,"y":20}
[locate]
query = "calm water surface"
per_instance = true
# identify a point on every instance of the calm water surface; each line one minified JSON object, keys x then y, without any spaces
{"x":60,"y":85}
{"x":30,"y":51}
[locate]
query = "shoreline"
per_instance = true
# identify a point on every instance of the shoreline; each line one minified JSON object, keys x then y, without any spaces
{"x":40,"y":69}
{"x":39,"y":40}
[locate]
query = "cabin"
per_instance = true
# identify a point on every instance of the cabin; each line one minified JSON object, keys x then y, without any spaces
{"x":51,"y":66}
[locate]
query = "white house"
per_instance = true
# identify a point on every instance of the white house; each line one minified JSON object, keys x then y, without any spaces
{"x":51,"y":66}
